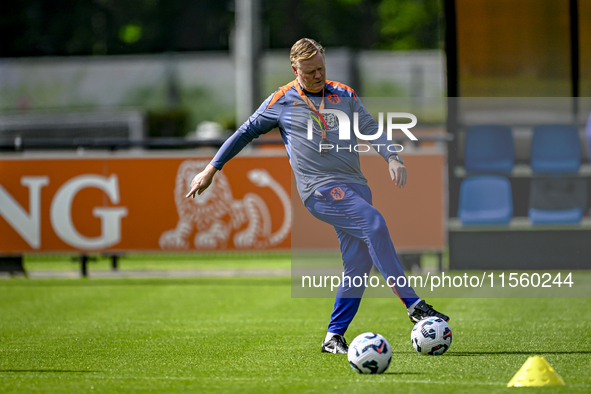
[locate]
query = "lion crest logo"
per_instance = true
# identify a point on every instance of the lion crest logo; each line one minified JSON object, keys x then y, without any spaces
{"x":215,"y":217}
{"x":337,"y":193}
{"x":333,"y":99}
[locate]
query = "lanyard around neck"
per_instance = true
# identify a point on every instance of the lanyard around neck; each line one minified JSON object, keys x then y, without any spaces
{"x":313,"y":107}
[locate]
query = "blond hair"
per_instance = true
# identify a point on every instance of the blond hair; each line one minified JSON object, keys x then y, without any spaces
{"x":304,"y":49}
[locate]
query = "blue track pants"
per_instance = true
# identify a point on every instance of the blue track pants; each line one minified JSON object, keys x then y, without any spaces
{"x":364,"y":239}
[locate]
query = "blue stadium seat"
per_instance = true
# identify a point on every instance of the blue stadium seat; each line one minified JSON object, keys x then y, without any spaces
{"x":489,"y":149}
{"x":555,"y":216}
{"x":485,"y":199}
{"x":557,"y":199}
{"x":555,"y":149}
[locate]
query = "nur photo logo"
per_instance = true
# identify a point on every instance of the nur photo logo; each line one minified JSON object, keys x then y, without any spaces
{"x":334,"y":119}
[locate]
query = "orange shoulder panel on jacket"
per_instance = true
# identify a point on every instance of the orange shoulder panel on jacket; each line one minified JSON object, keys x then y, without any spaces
{"x":343,"y":86}
{"x":282,"y":90}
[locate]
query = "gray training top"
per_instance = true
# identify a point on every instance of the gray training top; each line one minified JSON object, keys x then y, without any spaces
{"x":288,"y":111}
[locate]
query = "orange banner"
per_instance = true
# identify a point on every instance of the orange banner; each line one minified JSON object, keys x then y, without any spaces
{"x":137,"y":204}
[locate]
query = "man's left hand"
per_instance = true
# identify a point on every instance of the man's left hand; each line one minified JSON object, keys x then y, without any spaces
{"x":397,"y":173}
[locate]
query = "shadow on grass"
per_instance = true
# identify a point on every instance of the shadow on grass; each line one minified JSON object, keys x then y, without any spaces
{"x":44,"y":371}
{"x":404,"y":373}
{"x":527,"y":353}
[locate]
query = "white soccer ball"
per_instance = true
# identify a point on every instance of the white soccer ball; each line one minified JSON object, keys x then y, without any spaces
{"x":370,"y":353}
{"x":431,"y":336}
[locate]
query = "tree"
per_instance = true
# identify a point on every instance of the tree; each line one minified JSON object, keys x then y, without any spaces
{"x":410,"y":24}
{"x":104,"y":27}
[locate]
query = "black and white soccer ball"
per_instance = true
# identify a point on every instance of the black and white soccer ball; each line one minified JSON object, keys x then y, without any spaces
{"x":370,"y":353}
{"x":431,"y":336}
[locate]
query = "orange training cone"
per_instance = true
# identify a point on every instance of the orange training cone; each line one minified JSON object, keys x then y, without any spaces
{"x":536,"y":372}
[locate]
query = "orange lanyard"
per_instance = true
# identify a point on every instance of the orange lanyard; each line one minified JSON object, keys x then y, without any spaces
{"x":313,"y":107}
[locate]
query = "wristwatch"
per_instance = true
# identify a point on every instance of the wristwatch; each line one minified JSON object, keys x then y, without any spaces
{"x":397,"y":158}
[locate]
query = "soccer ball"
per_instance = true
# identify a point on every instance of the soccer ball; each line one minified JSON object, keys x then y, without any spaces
{"x":370,"y":353}
{"x":432,"y":336}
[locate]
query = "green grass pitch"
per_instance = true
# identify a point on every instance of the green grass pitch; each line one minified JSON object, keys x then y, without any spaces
{"x":247,"y":335}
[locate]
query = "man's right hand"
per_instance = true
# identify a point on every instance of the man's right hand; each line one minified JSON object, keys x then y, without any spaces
{"x":202,"y":181}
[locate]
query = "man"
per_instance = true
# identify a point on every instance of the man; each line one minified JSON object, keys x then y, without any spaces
{"x":329,"y":179}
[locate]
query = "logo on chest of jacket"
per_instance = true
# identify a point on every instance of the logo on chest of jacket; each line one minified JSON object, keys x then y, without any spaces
{"x":333,"y":99}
